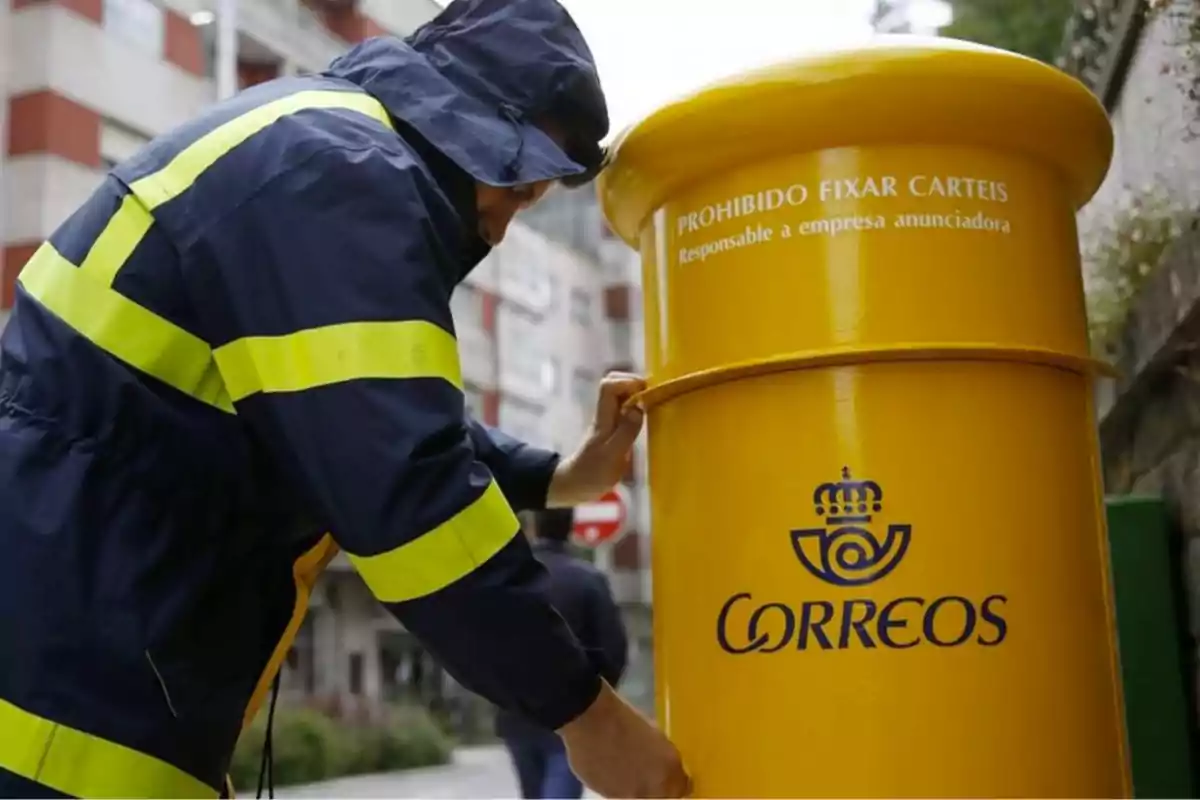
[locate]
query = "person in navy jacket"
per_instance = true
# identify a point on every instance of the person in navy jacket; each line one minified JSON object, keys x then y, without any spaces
{"x":581,"y":593}
{"x":237,"y":359}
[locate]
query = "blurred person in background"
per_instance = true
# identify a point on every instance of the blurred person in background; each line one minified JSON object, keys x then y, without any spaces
{"x":581,"y":593}
{"x":237,"y":358}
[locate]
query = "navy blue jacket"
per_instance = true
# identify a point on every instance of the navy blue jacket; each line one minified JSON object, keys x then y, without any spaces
{"x":581,"y":593}
{"x":238,"y":357}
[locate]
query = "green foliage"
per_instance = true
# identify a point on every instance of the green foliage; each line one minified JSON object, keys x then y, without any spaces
{"x":1121,"y":255}
{"x":1031,"y":27}
{"x":306,"y":747}
{"x":310,"y":746}
{"x":408,"y":737}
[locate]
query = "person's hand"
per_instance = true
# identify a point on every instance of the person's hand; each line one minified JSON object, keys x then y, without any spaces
{"x":617,"y":752}
{"x":604,"y":456}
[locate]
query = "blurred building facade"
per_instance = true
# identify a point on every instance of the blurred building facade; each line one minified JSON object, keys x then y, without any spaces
{"x":85,"y":83}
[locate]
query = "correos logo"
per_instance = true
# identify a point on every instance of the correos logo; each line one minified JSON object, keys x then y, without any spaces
{"x":847,"y":552}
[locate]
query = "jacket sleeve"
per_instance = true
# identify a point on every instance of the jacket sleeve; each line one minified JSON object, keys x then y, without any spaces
{"x":608,"y":629}
{"x":522,"y":471}
{"x":327,"y":296}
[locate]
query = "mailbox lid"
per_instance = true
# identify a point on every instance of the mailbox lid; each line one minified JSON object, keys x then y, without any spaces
{"x":897,"y":90}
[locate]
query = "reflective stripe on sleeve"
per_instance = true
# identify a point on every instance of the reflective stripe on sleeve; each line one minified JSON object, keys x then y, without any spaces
{"x":82,"y":765}
{"x":336,"y":354}
{"x":446,"y":554}
{"x":124,"y":329}
{"x":117,"y":241}
{"x":132,"y":219}
{"x":291,"y":363}
{"x":84,"y":299}
{"x":182,"y":171}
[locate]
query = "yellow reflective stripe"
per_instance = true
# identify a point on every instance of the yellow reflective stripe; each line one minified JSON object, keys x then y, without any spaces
{"x":123,"y":329}
{"x":183,"y":170}
{"x":132,"y":220}
{"x":82,"y":296}
{"x":82,"y":765}
{"x":443,"y":555}
{"x":117,"y":241}
{"x":338,"y":353}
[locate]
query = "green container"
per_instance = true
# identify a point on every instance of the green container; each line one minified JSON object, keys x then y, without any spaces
{"x":1155,"y":645}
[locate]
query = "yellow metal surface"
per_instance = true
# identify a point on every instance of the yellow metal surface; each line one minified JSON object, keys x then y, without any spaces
{"x":879,"y":555}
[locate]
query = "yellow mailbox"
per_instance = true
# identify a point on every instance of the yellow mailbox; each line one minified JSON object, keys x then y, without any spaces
{"x":879,"y":559}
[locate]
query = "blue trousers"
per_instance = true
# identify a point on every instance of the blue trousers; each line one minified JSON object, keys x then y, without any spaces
{"x":542,"y":768}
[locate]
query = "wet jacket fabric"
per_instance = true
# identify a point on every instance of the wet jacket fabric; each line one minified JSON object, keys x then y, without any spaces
{"x":582,"y":594}
{"x":236,"y":359}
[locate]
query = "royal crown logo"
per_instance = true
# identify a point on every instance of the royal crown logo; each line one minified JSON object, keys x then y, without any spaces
{"x":845,"y":552}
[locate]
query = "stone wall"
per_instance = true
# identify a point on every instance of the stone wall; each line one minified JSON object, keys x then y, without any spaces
{"x":1150,"y":434}
{"x":1154,"y":124}
{"x":1150,"y":415}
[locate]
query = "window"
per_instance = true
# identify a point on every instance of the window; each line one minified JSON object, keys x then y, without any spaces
{"x":356,"y":674}
{"x":623,"y":344}
{"x":524,"y":352}
{"x":474,"y":402}
{"x":466,"y":306}
{"x":524,"y":421}
{"x":527,"y":363}
{"x":581,"y":307}
{"x":137,"y":22}
{"x":522,"y":268}
{"x":551,"y":291}
{"x":118,"y":143}
{"x":583,"y":387}
{"x":300,"y":657}
{"x":550,"y":372}
{"x":208,"y":45}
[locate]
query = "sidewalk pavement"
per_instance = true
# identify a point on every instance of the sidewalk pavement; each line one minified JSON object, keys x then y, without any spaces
{"x":476,"y":773}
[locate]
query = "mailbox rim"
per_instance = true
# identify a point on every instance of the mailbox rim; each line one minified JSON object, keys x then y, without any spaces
{"x":952,"y":92}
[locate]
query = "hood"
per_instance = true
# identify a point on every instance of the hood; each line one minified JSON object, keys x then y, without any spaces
{"x":475,"y":79}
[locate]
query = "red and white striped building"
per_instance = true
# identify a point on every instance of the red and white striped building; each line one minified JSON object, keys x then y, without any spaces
{"x":83,"y":83}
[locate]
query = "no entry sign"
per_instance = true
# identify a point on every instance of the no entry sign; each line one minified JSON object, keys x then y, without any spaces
{"x":604,"y":520}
